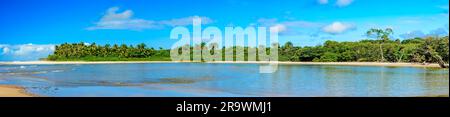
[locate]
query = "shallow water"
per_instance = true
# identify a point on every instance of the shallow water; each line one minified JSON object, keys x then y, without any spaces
{"x":225,"y":80}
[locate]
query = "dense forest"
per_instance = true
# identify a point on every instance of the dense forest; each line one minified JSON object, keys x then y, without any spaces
{"x":93,"y":52}
{"x":382,"y":49}
{"x":410,"y":50}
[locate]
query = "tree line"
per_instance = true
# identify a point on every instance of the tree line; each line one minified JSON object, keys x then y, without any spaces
{"x":381,"y":49}
{"x":410,"y":50}
{"x":94,"y":52}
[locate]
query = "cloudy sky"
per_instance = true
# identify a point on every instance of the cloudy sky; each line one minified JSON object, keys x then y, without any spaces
{"x":30,"y":28}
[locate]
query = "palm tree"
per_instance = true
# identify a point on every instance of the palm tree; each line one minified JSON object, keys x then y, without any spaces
{"x":123,"y":50}
{"x":382,"y":35}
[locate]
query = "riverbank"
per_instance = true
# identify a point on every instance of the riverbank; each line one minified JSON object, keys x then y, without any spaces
{"x":238,"y":62}
{"x":13,"y":91}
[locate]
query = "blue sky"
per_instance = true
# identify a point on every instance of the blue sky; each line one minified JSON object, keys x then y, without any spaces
{"x":30,"y":28}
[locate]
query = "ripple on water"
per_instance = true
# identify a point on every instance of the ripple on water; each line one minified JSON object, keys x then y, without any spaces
{"x":242,"y":79}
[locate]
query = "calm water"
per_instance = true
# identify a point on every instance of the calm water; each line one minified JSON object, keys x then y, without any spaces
{"x":197,"y":79}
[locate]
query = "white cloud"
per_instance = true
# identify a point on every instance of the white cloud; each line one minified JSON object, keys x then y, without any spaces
{"x":185,"y":21}
{"x":278,"y":28}
{"x":25,"y":51}
{"x":440,"y":32}
{"x":322,"y":1}
{"x":338,"y":28}
{"x":6,"y":50}
{"x":125,"y":20}
{"x":343,"y":3}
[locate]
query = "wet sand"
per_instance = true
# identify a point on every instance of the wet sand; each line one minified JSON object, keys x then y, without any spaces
{"x":13,"y":91}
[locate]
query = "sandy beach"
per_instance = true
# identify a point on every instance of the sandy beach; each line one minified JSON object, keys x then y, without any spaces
{"x":238,"y":62}
{"x":13,"y":91}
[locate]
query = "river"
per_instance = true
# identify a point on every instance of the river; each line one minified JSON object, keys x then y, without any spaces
{"x":225,"y":80}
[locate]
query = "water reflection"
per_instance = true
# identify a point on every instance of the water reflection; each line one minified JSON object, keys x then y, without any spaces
{"x":198,"y":79}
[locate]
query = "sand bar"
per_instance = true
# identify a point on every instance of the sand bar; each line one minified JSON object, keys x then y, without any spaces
{"x":13,"y":91}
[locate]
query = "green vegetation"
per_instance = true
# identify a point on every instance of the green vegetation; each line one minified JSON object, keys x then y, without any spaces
{"x":410,"y":50}
{"x":383,"y":49}
{"x":94,"y":52}
{"x":382,"y":35}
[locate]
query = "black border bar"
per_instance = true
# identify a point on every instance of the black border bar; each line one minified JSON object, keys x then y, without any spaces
{"x":280,"y":105}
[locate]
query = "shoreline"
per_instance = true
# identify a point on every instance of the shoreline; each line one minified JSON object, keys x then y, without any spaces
{"x":14,"y":91}
{"x":17,"y":91}
{"x":433,"y":65}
